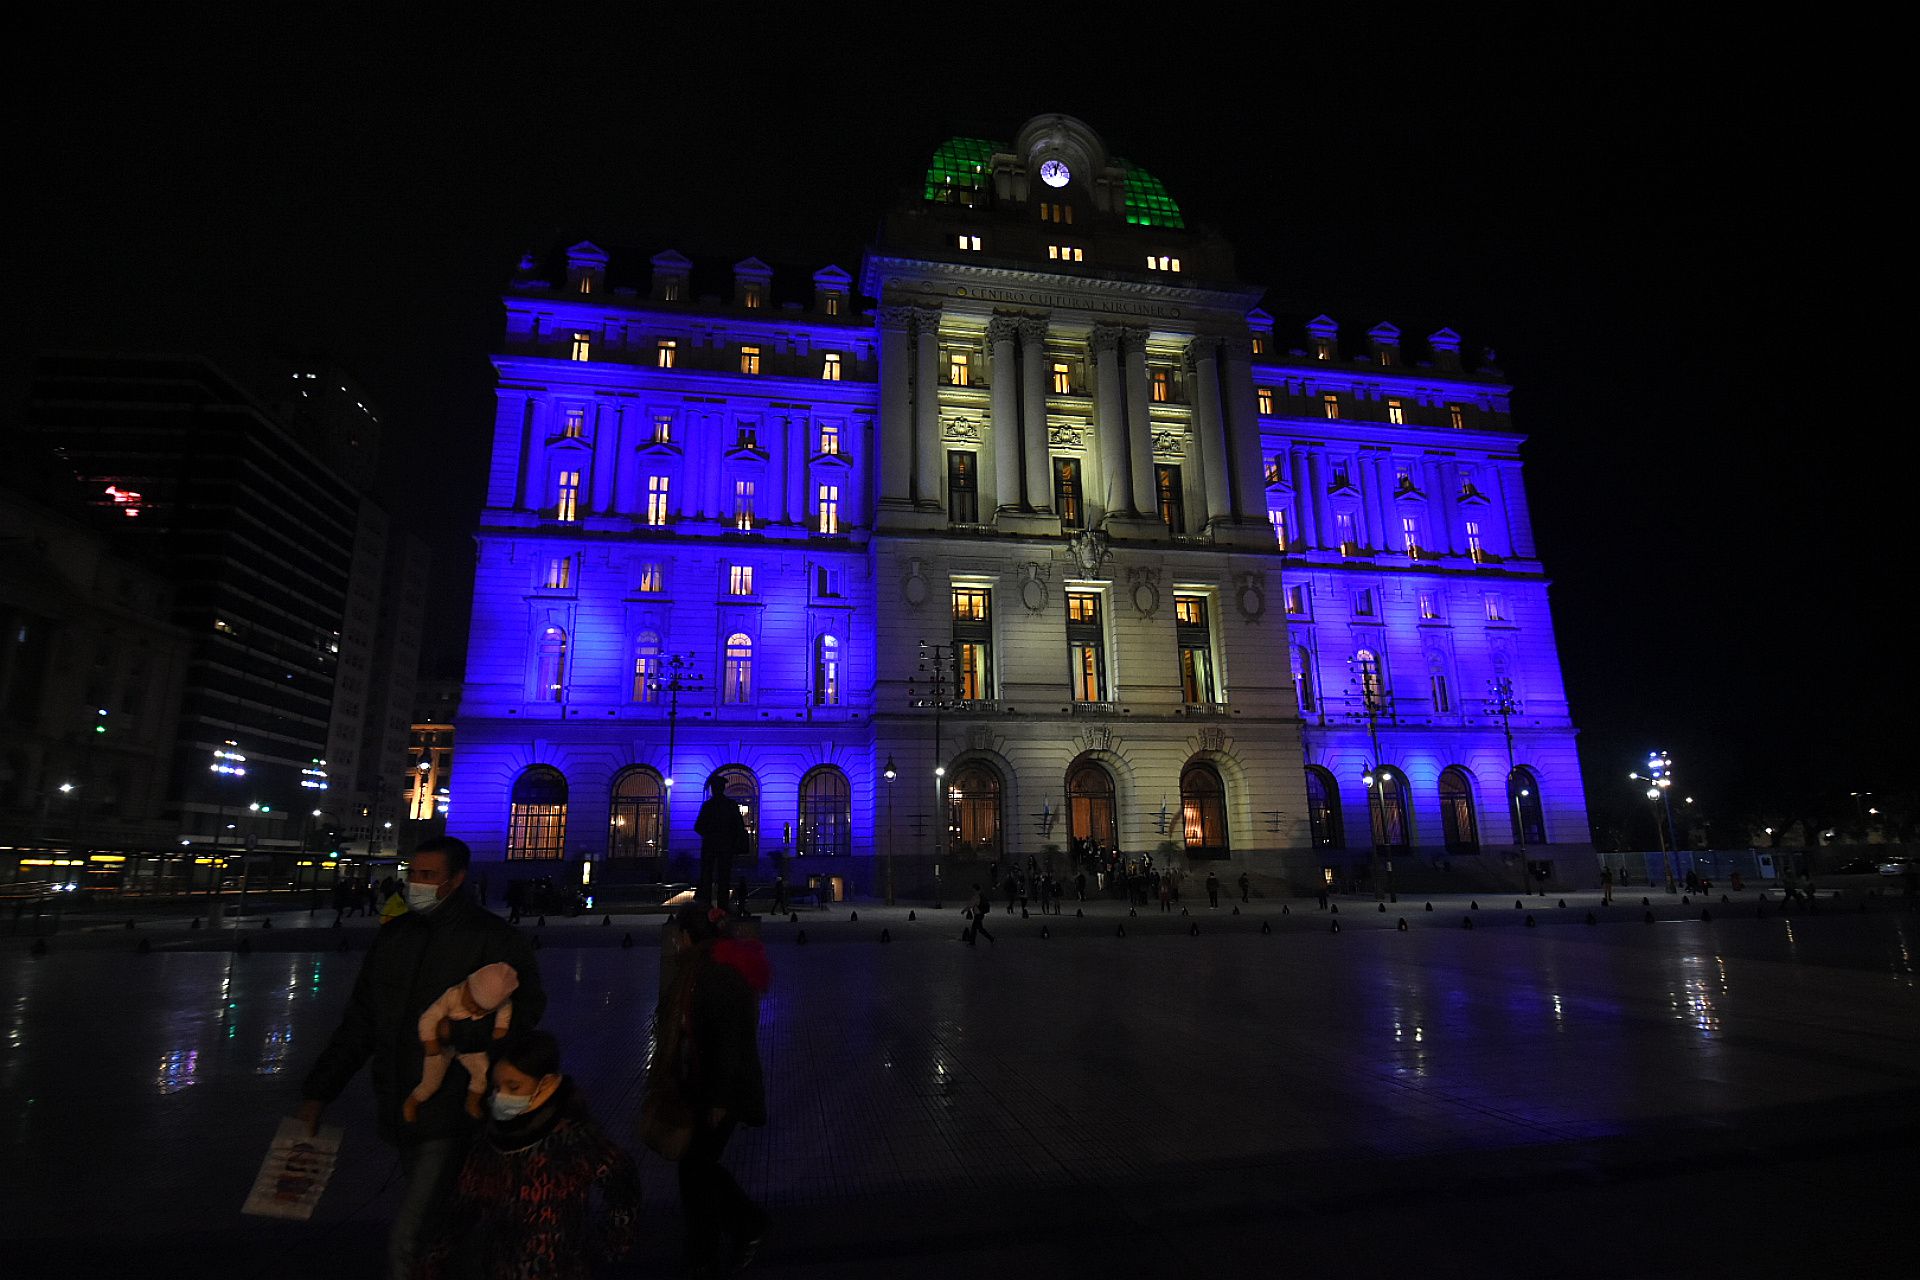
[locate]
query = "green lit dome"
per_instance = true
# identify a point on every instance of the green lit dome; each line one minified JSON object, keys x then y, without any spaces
{"x":960,"y":168}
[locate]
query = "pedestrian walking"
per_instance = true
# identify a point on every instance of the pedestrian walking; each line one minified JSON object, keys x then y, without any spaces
{"x":342,"y":899}
{"x":443,"y":938}
{"x":709,"y":1021}
{"x":780,"y":894}
{"x":982,"y":908}
{"x":1010,"y":887}
{"x":1606,"y":886}
{"x":1166,"y":893}
{"x":1080,"y":886}
{"x":516,"y":900}
{"x":523,"y":1203}
{"x":723,"y":837}
{"x":1213,"y":891}
{"x":1246,"y":888}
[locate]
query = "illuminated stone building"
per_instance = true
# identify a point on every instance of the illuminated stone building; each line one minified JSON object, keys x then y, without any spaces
{"x":1041,"y":509}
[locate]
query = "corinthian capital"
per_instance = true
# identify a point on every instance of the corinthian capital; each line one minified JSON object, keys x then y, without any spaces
{"x":1105,"y":339}
{"x":896,"y":318}
{"x":1002,"y":329}
{"x":1032,"y":329}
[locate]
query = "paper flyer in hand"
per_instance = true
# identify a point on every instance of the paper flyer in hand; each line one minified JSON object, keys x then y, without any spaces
{"x":295,"y":1172}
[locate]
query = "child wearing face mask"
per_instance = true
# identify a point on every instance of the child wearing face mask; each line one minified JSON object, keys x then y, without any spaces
{"x":523,"y":1206}
{"x":463,"y":1023}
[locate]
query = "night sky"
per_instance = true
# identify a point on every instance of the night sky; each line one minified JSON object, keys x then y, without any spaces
{"x":1659,"y":238}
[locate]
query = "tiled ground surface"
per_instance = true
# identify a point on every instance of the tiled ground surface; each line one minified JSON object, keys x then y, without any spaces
{"x":1562,"y":1100}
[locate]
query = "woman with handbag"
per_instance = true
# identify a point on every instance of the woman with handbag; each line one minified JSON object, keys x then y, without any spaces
{"x":705,"y":1080}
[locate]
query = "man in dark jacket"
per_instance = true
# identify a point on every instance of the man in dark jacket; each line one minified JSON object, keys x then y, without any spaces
{"x":723,"y":837}
{"x":444,"y":936}
{"x":715,"y":1005}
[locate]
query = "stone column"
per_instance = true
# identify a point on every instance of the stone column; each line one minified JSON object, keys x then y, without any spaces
{"x":1382,"y":470}
{"x":1115,"y":476}
{"x":1209,"y":428}
{"x":1246,"y":455}
{"x":926,"y":406}
{"x":1317,"y":481}
{"x":896,"y":408}
{"x":1036,"y":376}
{"x":1446,"y":501}
{"x":1305,"y":509}
{"x":1001,"y":331}
{"x":506,"y":479}
{"x":1139,"y":424}
{"x":713,"y":469}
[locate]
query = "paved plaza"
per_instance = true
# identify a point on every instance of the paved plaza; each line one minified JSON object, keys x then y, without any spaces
{"x":1615,"y":1099}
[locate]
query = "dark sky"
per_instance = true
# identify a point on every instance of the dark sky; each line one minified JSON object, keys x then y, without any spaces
{"x":1646,"y":229}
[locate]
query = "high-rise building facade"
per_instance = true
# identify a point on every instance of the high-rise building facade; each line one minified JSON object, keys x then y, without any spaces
{"x":1037,"y":536}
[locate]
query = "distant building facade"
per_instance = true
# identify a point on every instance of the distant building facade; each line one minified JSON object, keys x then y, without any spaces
{"x":1042,"y":513}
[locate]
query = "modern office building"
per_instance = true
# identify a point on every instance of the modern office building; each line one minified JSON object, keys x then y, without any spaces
{"x":1038,"y":533}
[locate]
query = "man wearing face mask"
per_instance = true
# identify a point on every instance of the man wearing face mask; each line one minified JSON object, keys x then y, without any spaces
{"x":444,"y":936}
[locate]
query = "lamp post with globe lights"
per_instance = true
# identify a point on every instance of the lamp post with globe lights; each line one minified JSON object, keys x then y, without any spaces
{"x":889,"y":773}
{"x":1502,"y":703}
{"x":934,"y":688}
{"x":1375,"y":702}
{"x":1659,"y":783}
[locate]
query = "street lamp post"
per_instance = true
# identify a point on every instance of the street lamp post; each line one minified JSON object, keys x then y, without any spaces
{"x":889,"y":773}
{"x":1501,"y":702}
{"x":673,"y":675}
{"x":229,"y":762}
{"x":1374,"y":703}
{"x":1659,"y":780}
{"x":940,"y":685}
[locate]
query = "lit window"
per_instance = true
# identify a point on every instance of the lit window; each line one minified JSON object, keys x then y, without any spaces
{"x":972,"y":604}
{"x":586,"y":284}
{"x":582,"y":346}
{"x":1456,"y":416}
{"x":1331,"y":403}
{"x":1086,"y":647}
{"x":1162,"y":386}
{"x":662,"y":428}
{"x":1373,"y":686}
{"x":830,"y":367}
{"x":737,"y":685}
{"x":973,"y":643}
{"x":1474,"y":548}
{"x":1410,"y":534}
{"x":743,"y":505}
{"x":1402,"y":479}
{"x":1277,"y":517}
{"x":574,"y":424}
{"x":963,"y":489}
{"x":1496,"y":607}
{"x":970,"y":244}
{"x":1062,"y":378}
{"x":1173,"y":506}
{"x":559,"y":575}
{"x":1065,"y":253}
{"x":744,"y":436}
{"x":749,"y":359}
{"x":1429,"y":607}
{"x":1195,"y":639}
{"x":740,"y":580}
{"x":646,"y":666}
{"x":657,"y":500}
{"x":826,"y":671}
{"x":567,"y":498}
{"x":1386,"y":355}
{"x":1396,"y":413}
{"x":1323,"y":348}
{"x":1297,"y":600}
{"x":1442,"y":700}
{"x":1302,"y":678}
{"x":959,"y":368}
{"x":1265,"y":396}
{"x":830,"y":437}
{"x":651,"y":579}
{"x":829,"y":508}
{"x":1066,"y":492}
{"x":1344,"y":533}
{"x":665,"y":352}
{"x":670,"y":291}
{"x":752,"y":296}
{"x":550,"y":681}
{"x":1061,"y":213}
{"x":1259,"y":344}
{"x":1161,"y":262}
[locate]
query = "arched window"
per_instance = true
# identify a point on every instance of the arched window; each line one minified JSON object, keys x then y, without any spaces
{"x":1323,"y":808}
{"x":1303,"y":677}
{"x":646,"y":666}
{"x":1203,"y":803}
{"x":634,"y":824}
{"x":826,"y":814}
{"x":826,"y":671}
{"x":1523,"y":808}
{"x":738,"y":685}
{"x":550,"y":677}
{"x":537,"y":820}
{"x":1372,"y":681}
{"x":1389,"y":806}
{"x":744,"y":790}
{"x":973,"y":813}
{"x":1090,"y":805}
{"x":1456,"y":812}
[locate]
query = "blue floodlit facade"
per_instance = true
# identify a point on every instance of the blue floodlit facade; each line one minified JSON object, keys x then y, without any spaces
{"x":1044,"y":510}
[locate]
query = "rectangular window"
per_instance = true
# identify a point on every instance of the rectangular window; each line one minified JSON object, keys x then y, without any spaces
{"x":1277,"y":517}
{"x":1195,"y":638}
{"x":1456,"y":417}
{"x":829,"y":508}
{"x":582,"y":346}
{"x":559,"y":575}
{"x":1259,"y":344}
{"x":750,"y":360}
{"x":1297,"y":600}
{"x":1429,"y":607}
{"x":973,"y":643}
{"x":967,"y":243}
{"x":663,"y":428}
{"x":657,"y":500}
{"x":1496,"y":607}
{"x":586,"y":284}
{"x":743,"y":505}
{"x":1162,"y":386}
{"x":574,"y":424}
{"x":1062,"y":378}
{"x":1173,"y":506}
{"x":963,"y":492}
{"x":1265,"y":396}
{"x":665,"y":353}
{"x":651,"y":579}
{"x":1323,"y":348}
{"x":1474,"y":548}
{"x":670,"y":291}
{"x":1086,"y":647}
{"x":1161,"y":262}
{"x":744,"y":436}
{"x":1065,"y":253}
{"x":751,"y":296}
{"x":1363,"y":603}
{"x":1331,"y":404}
{"x":830,"y":367}
{"x":1060,"y":213}
{"x":959,"y":369}
{"x":830,"y":438}
{"x":1396,"y":413}
{"x":567,"y":500}
{"x":1344,"y":533}
{"x":1410,"y":534}
{"x":740,"y":580}
{"x":1442,"y":700}
{"x":1066,"y":492}
{"x":1386,"y":355}
{"x":833,"y":304}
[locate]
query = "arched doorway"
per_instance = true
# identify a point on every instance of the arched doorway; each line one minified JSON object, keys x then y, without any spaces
{"x":1523,"y":808}
{"x":537,"y":818}
{"x":1389,"y":808}
{"x":636,"y":810}
{"x":1090,"y":809}
{"x":826,"y":814}
{"x":973,"y":813}
{"x":1456,"y":812}
{"x":744,"y":790}
{"x":1203,"y":806}
{"x":1323,"y":808}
